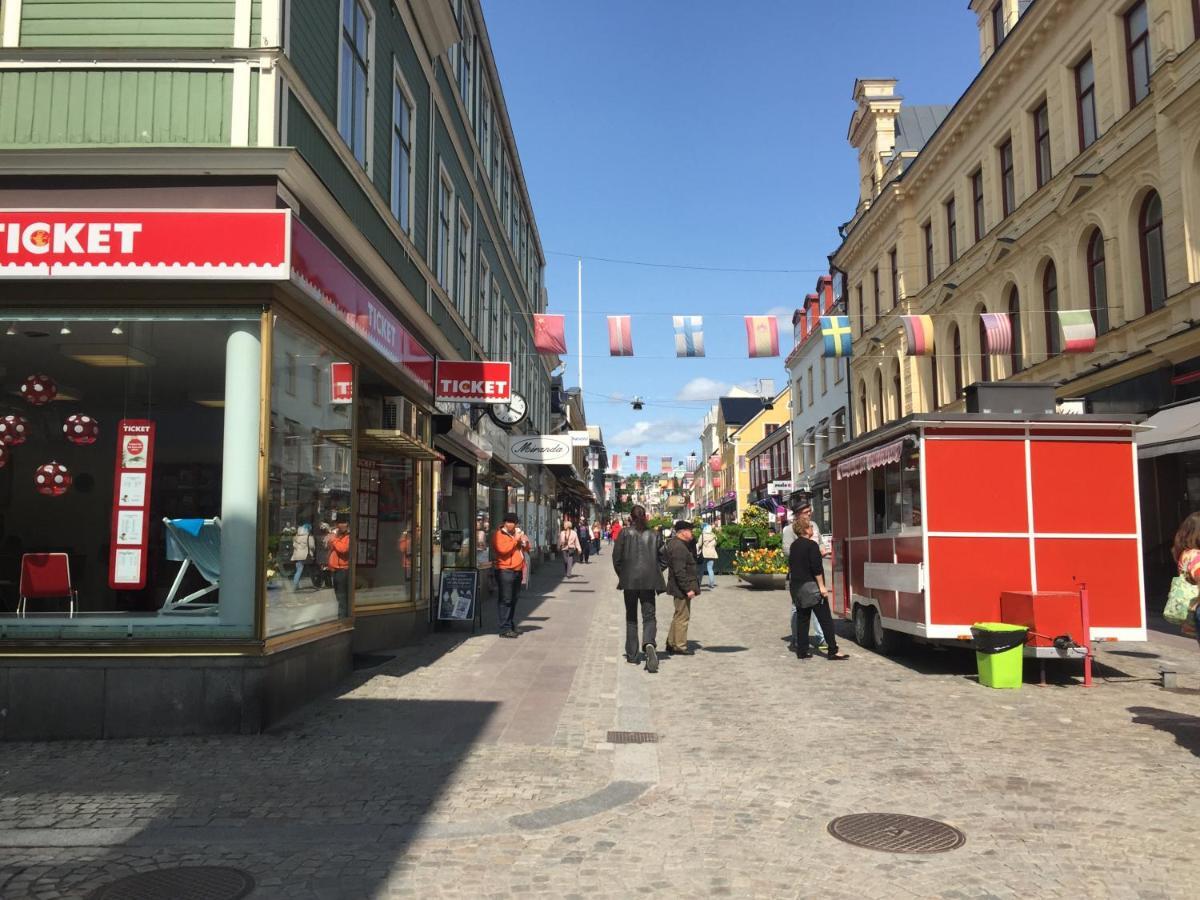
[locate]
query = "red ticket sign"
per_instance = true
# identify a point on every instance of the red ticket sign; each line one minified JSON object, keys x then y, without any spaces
{"x":131,"y":505}
{"x":251,"y":244}
{"x":322,"y":276}
{"x":341,"y":382}
{"x":473,"y":382}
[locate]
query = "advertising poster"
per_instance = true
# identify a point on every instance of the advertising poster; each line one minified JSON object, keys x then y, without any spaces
{"x":456,"y":594}
{"x":131,"y":505}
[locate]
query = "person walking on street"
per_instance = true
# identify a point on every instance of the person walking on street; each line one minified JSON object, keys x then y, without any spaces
{"x":802,"y":525}
{"x":615,"y":530}
{"x":339,"y":561}
{"x":585,"y":539}
{"x":568,"y":545}
{"x":304,"y":552}
{"x":806,"y":581}
{"x":509,"y":545}
{"x":637,"y":559}
{"x":708,"y":553}
{"x":597,"y":533}
{"x":683,"y":583}
{"x":1186,"y":551}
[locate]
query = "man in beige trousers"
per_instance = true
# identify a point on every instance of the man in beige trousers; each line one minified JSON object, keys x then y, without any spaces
{"x":683,"y":583}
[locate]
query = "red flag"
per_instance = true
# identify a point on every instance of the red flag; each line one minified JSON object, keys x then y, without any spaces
{"x":549,"y":335}
{"x":762,"y":335}
{"x":620,"y":337}
{"x":643,"y":464}
{"x":616,"y":465}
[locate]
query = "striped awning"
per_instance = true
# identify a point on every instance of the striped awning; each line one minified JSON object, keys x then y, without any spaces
{"x":870,"y":459}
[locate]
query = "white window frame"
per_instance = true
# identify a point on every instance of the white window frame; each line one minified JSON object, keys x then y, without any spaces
{"x":485,"y":302}
{"x":369,"y":100}
{"x":400,"y":89}
{"x":444,"y":231}
{"x":462,"y":264}
{"x":497,"y":321}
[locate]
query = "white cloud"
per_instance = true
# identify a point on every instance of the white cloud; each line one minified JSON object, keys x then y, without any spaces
{"x":663,"y":432}
{"x":703,"y":389}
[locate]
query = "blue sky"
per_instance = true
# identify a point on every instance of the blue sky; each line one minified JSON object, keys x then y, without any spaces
{"x":698,"y":133}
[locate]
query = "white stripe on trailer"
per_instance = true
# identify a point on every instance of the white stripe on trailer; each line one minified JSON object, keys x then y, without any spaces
{"x":924,"y":533}
{"x":1137,"y":512}
{"x":1029,"y":510}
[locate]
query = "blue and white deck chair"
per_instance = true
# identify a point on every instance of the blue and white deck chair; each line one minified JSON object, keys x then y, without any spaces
{"x":194,"y":542}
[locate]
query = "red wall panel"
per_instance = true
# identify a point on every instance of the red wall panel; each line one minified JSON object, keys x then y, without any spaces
{"x":1108,"y":565}
{"x":975,"y":486}
{"x":1082,"y":487}
{"x":967,"y":575}
{"x":858,"y":505}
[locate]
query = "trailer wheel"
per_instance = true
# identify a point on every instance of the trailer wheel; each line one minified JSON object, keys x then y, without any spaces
{"x":885,"y":641}
{"x":864,"y":631}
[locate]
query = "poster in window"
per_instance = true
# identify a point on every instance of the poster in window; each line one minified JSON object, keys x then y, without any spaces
{"x":456,"y":594}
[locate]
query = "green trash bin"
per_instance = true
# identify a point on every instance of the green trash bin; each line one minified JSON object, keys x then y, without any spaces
{"x":999,"y":653}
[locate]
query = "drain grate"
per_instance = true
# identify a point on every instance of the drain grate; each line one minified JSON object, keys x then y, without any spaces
{"x":582,"y":590}
{"x":632,"y":737}
{"x":895,"y":833}
{"x":179,"y":883}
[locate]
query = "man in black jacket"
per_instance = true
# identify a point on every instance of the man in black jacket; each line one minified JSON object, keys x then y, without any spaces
{"x":683,"y":583}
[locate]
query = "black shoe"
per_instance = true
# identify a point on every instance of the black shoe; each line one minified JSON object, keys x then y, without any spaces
{"x":632,"y":659}
{"x":651,"y":659}
{"x":509,"y":634}
{"x":803,"y":655}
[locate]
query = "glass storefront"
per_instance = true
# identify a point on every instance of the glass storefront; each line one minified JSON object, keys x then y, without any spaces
{"x":127,"y":441}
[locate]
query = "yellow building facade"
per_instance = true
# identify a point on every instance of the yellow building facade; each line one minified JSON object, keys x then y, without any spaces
{"x":735,"y":460}
{"x":1066,"y":177}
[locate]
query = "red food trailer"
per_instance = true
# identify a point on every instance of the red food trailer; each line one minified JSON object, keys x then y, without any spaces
{"x":944,"y":520}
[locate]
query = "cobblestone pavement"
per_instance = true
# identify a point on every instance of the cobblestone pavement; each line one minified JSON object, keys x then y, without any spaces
{"x":477,"y":767}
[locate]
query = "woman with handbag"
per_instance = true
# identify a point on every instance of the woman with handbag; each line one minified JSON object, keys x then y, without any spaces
{"x":568,"y":545}
{"x":1183,"y":605}
{"x":806,"y":580}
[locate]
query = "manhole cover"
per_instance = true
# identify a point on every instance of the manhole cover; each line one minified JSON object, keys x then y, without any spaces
{"x":181,"y":883}
{"x":894,"y":833}
{"x":632,"y":737}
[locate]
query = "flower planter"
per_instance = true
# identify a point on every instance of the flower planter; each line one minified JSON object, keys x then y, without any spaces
{"x":762,"y":581}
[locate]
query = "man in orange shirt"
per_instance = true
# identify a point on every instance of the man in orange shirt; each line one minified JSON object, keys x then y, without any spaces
{"x":339,"y":562}
{"x":509,"y":545}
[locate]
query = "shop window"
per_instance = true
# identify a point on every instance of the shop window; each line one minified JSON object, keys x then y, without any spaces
{"x":163,"y":546}
{"x":309,"y":489}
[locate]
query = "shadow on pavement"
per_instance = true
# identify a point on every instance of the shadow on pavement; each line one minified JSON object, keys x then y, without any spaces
{"x":721,"y":649}
{"x":1181,"y":726}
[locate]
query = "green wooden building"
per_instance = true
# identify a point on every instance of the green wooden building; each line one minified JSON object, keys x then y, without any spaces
{"x":240,"y":234}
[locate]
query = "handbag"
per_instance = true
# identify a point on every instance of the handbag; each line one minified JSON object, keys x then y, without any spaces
{"x":808,"y":595}
{"x":1180,"y":599}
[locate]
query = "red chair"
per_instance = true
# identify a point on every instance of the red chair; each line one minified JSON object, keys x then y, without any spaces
{"x":45,"y":576}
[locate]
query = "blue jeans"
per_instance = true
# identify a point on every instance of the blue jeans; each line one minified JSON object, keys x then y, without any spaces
{"x":819,"y":635}
{"x":508,"y":582}
{"x":299,"y":574}
{"x":708,"y":568}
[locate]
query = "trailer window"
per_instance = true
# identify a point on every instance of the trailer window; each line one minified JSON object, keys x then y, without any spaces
{"x":887,"y":499}
{"x":910,"y":471}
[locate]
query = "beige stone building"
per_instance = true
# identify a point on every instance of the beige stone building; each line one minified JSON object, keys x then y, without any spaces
{"x":1066,"y":176}
{"x":996,"y":208}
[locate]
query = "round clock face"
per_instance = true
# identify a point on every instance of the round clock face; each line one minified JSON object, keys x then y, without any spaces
{"x":511,"y":413}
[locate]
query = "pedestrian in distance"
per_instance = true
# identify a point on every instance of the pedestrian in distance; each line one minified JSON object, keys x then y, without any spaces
{"x":637,"y":558}
{"x":304,"y":552}
{"x":615,"y":530}
{"x":1186,"y":551}
{"x":806,"y":582}
{"x":585,"y":539}
{"x":597,"y":533}
{"x":339,"y":561}
{"x":802,"y":525}
{"x":509,"y":546}
{"x":568,"y":546}
{"x":708,"y":554}
{"x":683,"y":583}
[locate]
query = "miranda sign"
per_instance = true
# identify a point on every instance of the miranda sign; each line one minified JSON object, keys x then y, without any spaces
{"x":539,"y":448}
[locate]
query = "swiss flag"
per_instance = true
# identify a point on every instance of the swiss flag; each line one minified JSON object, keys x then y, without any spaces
{"x":549,"y":335}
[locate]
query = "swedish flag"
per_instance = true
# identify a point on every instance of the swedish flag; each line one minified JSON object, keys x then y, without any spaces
{"x":835,"y":331}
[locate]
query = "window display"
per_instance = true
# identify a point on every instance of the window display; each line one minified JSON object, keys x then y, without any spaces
{"x":309,"y":484}
{"x":124,"y":465}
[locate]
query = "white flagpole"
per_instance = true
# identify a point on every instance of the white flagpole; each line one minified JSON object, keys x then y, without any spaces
{"x":581,"y":325}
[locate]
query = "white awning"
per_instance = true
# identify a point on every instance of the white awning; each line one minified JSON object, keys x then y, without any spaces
{"x":1172,"y":430}
{"x":870,"y":459}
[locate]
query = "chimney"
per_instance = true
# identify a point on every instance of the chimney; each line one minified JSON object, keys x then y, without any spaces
{"x":873,"y":133}
{"x":996,"y":18}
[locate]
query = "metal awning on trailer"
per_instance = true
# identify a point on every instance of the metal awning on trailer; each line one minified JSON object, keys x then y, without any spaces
{"x":1176,"y":429}
{"x":871,"y":459}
